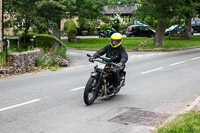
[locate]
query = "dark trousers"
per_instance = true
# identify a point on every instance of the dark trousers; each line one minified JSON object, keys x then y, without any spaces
{"x":116,"y":73}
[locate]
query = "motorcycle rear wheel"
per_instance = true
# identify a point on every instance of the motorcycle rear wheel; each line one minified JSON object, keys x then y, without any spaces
{"x":90,"y":94}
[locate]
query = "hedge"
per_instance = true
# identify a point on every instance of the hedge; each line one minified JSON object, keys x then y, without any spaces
{"x":46,"y":41}
{"x":70,"y":27}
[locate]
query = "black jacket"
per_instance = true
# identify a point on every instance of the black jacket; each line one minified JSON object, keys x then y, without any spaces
{"x":117,"y":55}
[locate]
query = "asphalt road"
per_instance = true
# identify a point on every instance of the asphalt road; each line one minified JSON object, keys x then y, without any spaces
{"x":52,"y":102}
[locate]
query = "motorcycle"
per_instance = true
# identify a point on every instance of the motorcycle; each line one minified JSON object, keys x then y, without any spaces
{"x":110,"y":32}
{"x":107,"y":33}
{"x":100,"y":82}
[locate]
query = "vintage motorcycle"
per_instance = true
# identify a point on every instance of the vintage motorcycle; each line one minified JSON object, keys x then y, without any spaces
{"x":107,"y":33}
{"x":100,"y":82}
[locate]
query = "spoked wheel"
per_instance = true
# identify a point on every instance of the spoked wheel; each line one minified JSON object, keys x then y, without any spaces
{"x":90,"y":93}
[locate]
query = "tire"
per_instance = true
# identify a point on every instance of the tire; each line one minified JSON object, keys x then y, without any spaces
{"x":90,"y":94}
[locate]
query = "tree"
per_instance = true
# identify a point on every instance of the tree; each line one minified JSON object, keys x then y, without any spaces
{"x":163,"y":11}
{"x":44,"y":14}
{"x":162,"y":14}
{"x":21,"y":12}
{"x":89,"y":10}
{"x":50,"y":13}
{"x":190,"y":9}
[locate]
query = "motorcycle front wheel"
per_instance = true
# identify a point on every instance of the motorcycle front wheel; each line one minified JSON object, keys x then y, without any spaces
{"x":90,"y":93}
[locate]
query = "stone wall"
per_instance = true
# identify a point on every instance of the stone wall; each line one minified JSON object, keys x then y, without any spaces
{"x":20,"y":63}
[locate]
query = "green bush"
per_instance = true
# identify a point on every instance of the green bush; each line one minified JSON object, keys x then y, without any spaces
{"x":70,"y":27}
{"x":116,"y":23}
{"x":106,"y":19}
{"x":20,"y":33}
{"x":2,"y":58}
{"x":83,"y":25}
{"x":46,"y":41}
{"x":105,"y":27}
{"x":31,"y":33}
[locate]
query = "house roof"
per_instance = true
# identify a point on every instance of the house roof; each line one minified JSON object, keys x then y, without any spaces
{"x":119,"y":10}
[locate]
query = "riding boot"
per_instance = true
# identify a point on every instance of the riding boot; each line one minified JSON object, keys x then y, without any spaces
{"x":115,"y":80}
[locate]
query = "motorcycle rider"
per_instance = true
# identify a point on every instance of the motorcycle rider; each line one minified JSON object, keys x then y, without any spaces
{"x":117,"y":53}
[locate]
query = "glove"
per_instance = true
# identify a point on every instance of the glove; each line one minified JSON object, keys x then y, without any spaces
{"x":91,"y":59}
{"x":120,"y":65}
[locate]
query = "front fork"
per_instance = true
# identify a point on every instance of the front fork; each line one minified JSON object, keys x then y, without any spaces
{"x":99,"y":77}
{"x":104,"y":85}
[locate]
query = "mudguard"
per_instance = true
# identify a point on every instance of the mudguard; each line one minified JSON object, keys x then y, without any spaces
{"x":124,"y":72}
{"x":94,"y":74}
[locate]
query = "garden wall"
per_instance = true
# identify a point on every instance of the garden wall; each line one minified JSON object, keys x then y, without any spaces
{"x":20,"y":63}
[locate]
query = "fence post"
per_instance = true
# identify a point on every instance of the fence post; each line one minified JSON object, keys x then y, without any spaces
{"x":1,"y":25}
{"x":5,"y":42}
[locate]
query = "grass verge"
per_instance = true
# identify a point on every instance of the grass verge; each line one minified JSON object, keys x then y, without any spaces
{"x":183,"y":123}
{"x":96,"y":43}
{"x":173,"y":44}
{"x":139,"y":43}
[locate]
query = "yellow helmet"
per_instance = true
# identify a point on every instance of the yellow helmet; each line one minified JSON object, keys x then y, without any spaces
{"x":116,"y":40}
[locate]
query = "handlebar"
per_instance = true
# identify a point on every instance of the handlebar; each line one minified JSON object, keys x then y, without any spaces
{"x":108,"y":60}
{"x":88,"y":55}
{"x":105,"y":58}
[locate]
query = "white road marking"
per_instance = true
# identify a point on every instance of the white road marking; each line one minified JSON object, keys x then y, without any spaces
{"x":177,"y":63}
{"x":195,"y":58}
{"x":79,"y":88}
{"x":71,"y":68}
{"x":145,"y":55}
{"x":152,"y":70}
{"x":17,"y":105}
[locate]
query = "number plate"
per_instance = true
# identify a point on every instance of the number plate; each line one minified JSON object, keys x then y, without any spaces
{"x":101,"y":66}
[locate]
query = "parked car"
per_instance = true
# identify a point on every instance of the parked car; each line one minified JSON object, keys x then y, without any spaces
{"x":176,"y":29}
{"x":139,"y":31}
{"x":196,"y":25}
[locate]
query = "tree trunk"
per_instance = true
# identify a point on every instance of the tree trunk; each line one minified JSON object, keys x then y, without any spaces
{"x":160,"y":34}
{"x":26,"y":34}
{"x":56,"y":31}
{"x":188,"y":25}
{"x":27,"y":26}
